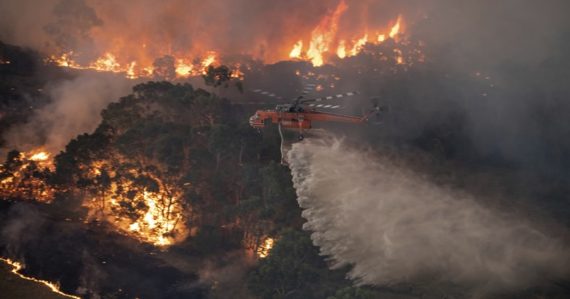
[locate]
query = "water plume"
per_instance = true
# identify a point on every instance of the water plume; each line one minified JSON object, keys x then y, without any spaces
{"x":394,"y":226}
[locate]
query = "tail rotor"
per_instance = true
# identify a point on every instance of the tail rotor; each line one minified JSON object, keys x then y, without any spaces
{"x":374,"y":116}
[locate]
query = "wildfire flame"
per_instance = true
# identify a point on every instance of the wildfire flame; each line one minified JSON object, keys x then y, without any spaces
{"x":19,"y":180}
{"x":184,"y":68}
{"x":324,"y":36}
{"x":154,"y":217}
{"x":109,"y":62}
{"x":210,"y":59}
{"x":136,"y":59}
{"x":395,"y":30}
{"x":155,"y":225}
{"x":54,"y":287}
{"x":358,"y":44}
{"x":297,"y":50}
{"x":264,"y":249}
{"x":152,"y":213}
{"x":40,"y":156}
{"x":341,"y":50}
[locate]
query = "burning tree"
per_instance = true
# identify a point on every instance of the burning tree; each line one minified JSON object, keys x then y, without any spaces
{"x":166,"y":162}
{"x":133,"y":198}
{"x":130,"y":171}
{"x":26,"y":176}
{"x":147,"y":170}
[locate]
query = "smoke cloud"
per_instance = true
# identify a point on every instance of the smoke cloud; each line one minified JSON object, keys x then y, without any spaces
{"x":395,"y":226}
{"x":75,"y":109}
{"x":23,"y":223}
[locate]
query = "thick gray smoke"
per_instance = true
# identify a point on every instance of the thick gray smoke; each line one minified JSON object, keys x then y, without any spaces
{"x":394,"y":226}
{"x":75,"y":109}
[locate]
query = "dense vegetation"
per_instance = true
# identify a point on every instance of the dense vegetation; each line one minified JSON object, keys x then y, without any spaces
{"x":225,"y":179}
{"x":234,"y":193}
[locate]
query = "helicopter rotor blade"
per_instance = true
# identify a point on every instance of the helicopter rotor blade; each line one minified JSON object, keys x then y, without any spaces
{"x":325,"y":106}
{"x":309,"y":87}
{"x":328,"y":98}
{"x":267,"y":93}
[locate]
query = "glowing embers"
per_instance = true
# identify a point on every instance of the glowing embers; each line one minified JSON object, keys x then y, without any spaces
{"x":138,"y":203}
{"x":399,"y":56}
{"x":236,"y":73}
{"x":54,"y":287}
{"x":265,"y":247}
{"x":25,"y":176}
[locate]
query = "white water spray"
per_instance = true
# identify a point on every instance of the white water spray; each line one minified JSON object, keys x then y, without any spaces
{"x":395,"y":227}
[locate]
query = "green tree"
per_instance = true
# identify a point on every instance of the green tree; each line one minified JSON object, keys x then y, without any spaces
{"x":293,"y":269}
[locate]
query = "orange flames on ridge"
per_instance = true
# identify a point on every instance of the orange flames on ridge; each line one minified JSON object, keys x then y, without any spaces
{"x":54,"y":287}
{"x":109,"y":62}
{"x":135,"y":56}
{"x":324,"y":39}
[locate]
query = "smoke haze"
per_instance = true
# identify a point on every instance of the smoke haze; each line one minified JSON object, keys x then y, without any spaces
{"x":394,"y":226}
{"x":74,"y":109}
{"x":22,"y":225}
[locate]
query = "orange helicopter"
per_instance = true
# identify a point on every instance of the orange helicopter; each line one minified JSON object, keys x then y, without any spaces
{"x":301,"y":113}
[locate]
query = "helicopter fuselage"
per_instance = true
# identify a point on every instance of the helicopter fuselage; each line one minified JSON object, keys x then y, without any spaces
{"x":298,"y":118}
